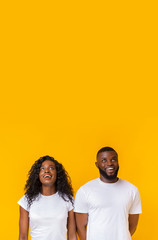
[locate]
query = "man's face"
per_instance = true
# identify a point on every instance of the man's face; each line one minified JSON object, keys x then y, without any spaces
{"x":107,"y":163}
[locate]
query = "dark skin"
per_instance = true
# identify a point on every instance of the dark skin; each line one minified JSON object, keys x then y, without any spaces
{"x":47,"y":177}
{"x":107,"y":162}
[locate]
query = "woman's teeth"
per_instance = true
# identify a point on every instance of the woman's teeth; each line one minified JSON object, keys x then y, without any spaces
{"x":47,"y":176}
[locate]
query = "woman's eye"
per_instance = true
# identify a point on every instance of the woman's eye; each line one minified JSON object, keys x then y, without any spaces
{"x":52,"y":168}
{"x":104,"y":160}
{"x":42,"y":169}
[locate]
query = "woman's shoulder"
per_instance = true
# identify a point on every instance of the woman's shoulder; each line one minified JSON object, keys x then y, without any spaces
{"x":66,"y":201}
{"x":23,"y":202}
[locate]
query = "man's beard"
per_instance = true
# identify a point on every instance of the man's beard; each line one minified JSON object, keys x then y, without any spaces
{"x":105,"y":175}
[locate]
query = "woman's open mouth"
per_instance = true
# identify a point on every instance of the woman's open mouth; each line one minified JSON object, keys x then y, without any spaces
{"x":47,"y":176}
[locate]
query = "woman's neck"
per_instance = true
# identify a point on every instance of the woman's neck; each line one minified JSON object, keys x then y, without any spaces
{"x":47,"y":190}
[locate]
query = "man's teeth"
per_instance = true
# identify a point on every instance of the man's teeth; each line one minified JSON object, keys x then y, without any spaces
{"x":110,"y":168}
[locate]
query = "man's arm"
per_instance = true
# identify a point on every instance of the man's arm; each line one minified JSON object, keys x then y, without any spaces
{"x":81,"y":222}
{"x":23,"y":224}
{"x":133,"y":221}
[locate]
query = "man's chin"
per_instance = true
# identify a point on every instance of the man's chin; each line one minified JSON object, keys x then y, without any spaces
{"x":109,"y":176}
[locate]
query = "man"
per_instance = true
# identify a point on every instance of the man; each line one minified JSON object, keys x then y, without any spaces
{"x":107,"y":208}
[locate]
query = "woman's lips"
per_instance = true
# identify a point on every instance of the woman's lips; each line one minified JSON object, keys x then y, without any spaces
{"x":47,"y":176}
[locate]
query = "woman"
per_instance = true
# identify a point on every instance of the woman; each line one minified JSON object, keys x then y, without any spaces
{"x":47,"y":203}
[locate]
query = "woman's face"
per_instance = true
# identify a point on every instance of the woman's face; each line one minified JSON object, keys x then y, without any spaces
{"x":48,"y":173}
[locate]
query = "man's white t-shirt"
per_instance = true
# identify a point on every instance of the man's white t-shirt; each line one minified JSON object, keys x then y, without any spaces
{"x":48,"y":217}
{"x":108,"y":206}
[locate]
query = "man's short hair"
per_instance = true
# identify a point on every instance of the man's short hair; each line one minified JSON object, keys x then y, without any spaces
{"x":105,"y":149}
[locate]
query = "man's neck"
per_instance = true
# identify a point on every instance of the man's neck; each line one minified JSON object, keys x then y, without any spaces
{"x":107,"y":180}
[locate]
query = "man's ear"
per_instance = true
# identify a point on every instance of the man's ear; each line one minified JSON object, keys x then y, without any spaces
{"x":96,"y":164}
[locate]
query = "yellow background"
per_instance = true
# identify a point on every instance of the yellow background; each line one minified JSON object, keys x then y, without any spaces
{"x":77,"y":76}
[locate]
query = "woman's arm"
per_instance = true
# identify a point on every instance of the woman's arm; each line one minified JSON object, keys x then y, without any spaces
{"x":23,"y":224}
{"x":71,"y":225}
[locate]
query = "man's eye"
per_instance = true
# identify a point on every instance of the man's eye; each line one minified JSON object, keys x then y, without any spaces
{"x":113,"y":160}
{"x":104,"y":160}
{"x":51,"y":168}
{"x":42,"y":169}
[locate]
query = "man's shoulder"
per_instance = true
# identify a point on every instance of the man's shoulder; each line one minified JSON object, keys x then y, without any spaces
{"x":89,"y":184}
{"x":127,"y":184}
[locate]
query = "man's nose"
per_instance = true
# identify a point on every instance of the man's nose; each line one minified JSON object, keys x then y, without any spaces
{"x":109,"y":163}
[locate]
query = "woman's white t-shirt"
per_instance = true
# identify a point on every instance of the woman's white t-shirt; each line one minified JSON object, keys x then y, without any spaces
{"x":48,"y":216}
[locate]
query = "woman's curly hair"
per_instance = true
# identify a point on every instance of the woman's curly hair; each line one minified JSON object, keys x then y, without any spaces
{"x":63,"y":182}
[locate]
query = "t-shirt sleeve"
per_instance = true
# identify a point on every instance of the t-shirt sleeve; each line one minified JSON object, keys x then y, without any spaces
{"x":24,"y":203}
{"x":81,"y":204}
{"x":136,"y":203}
{"x":69,"y":205}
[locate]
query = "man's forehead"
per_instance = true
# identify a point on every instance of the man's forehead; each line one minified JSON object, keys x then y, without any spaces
{"x":107,"y":154}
